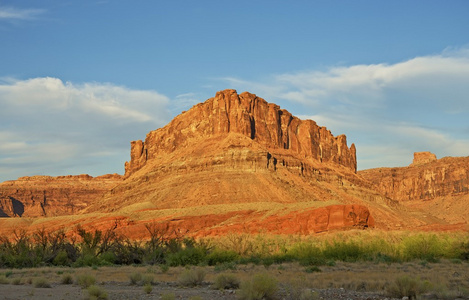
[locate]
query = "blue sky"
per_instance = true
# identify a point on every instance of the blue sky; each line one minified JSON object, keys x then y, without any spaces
{"x":80,"y":79}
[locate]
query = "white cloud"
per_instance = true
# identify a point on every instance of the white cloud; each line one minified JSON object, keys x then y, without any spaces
{"x":61,"y":128}
{"x":416,"y":105}
{"x":11,"y":13}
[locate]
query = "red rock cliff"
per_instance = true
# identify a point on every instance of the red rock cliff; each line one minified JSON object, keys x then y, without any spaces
{"x":426,"y":178}
{"x":251,"y":116}
{"x":52,"y":196}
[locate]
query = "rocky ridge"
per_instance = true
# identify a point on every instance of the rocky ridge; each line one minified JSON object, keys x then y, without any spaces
{"x":40,"y":196}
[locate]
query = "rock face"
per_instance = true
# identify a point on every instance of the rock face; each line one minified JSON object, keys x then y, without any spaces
{"x":425,"y":179}
{"x":251,"y":116}
{"x":52,"y":196}
{"x":421,"y":158}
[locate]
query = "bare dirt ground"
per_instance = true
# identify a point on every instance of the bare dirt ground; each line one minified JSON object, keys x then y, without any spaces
{"x":448,"y":280}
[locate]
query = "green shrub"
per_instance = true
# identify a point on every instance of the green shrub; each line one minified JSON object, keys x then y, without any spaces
{"x":96,"y":292}
{"x":307,"y":254}
{"x":188,"y":256}
{"x":221,"y":256}
{"x":226,"y":281}
{"x":406,"y":286}
{"x":41,"y":283}
{"x":85,"y":280}
{"x":349,"y":251}
{"x":260,"y":286}
{"x":425,"y":247}
{"x":16,"y":281}
{"x":193,"y":277}
{"x":135,"y":278}
{"x":66,"y":279}
{"x":147,"y":288}
{"x":61,"y":259}
{"x":148,"y":279}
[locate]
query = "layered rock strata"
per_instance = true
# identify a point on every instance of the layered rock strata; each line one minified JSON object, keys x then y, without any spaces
{"x":251,"y":116}
{"x":426,"y":178}
{"x":52,"y":196}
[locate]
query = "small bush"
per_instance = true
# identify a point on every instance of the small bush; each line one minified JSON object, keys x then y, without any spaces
{"x":168,"y":296}
{"x":260,"y":286}
{"x":405,"y":286}
{"x":192,"y":277}
{"x":147,"y":288}
{"x":226,"y":281}
{"x":41,"y":283}
{"x":148,"y":279}
{"x":85,"y":280}
{"x":189,"y":256}
{"x":221,"y":257}
{"x":164,"y":268}
{"x":135,"y":278}
{"x":16,"y":281}
{"x":66,"y":279}
{"x":96,"y":292}
{"x":4,"y":280}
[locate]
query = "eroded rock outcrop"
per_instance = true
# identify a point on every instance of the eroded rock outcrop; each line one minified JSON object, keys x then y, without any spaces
{"x":251,"y":116}
{"x":52,"y":196}
{"x":426,"y":178}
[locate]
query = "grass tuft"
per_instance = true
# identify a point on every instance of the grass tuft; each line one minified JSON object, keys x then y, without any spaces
{"x":96,"y":292}
{"x":193,"y":277}
{"x":226,"y":281}
{"x":41,"y":282}
{"x":85,"y":280}
{"x":260,"y":286}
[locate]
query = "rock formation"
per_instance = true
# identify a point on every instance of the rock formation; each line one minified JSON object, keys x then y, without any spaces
{"x":426,"y":178}
{"x":421,"y":158}
{"x":251,"y":116}
{"x":39,"y":196}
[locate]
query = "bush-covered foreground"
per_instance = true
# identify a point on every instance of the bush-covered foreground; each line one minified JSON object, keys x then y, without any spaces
{"x":99,"y":248}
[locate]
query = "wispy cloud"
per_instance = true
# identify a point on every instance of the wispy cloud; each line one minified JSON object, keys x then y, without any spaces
{"x":415,"y":105}
{"x":53,"y":127}
{"x":12,"y":13}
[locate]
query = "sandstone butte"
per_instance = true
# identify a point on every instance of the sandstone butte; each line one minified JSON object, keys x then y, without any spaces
{"x":236,"y":163}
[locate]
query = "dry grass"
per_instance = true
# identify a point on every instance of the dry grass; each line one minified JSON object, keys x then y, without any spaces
{"x":445,"y":279}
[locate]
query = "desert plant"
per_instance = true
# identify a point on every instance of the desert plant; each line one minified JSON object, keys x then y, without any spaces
{"x":148,"y":279}
{"x":85,"y":280}
{"x":226,"y":281}
{"x":41,"y":282}
{"x":221,"y":256}
{"x":16,"y":281}
{"x":192,"y":277}
{"x":147,"y":288}
{"x":4,"y":280}
{"x":96,"y":292}
{"x":135,"y":278}
{"x":168,"y":296}
{"x":66,"y":279}
{"x":406,"y":286}
{"x":164,"y":268}
{"x":260,"y":286}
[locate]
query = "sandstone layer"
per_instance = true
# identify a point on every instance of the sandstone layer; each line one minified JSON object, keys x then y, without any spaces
{"x":40,"y":196}
{"x":251,"y":116}
{"x":426,"y":178}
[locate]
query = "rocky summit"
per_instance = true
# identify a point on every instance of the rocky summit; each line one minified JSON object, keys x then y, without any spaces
{"x":236,"y":163}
